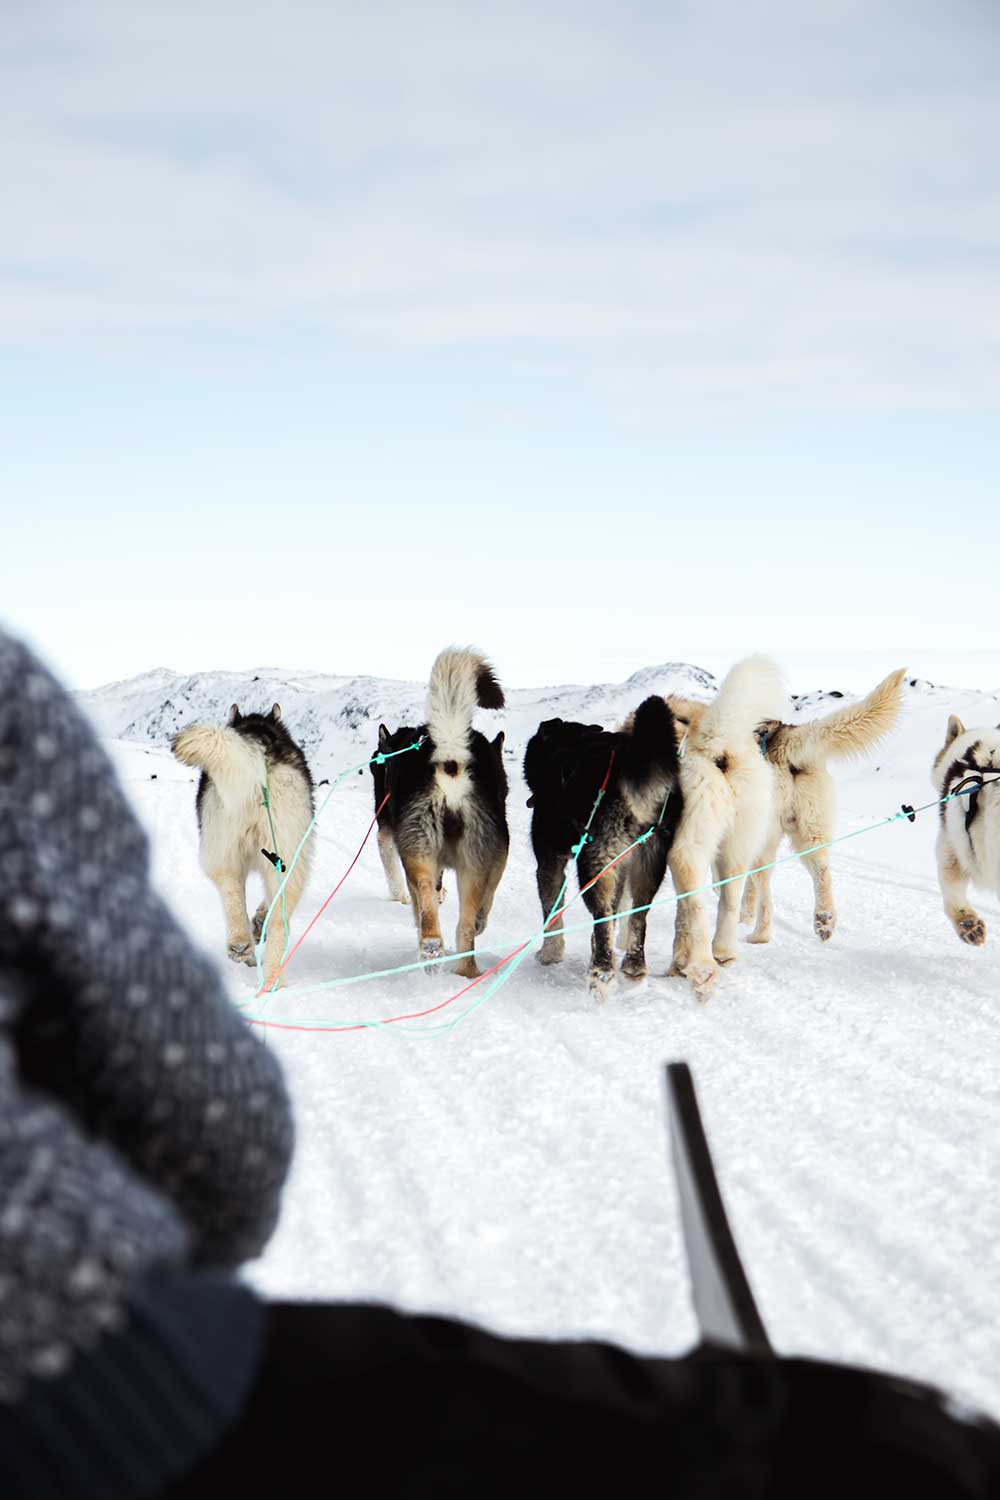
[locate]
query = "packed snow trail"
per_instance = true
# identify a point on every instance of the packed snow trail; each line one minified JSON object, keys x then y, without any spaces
{"x":515,"y":1170}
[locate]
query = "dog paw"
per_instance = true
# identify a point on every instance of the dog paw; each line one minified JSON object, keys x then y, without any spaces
{"x":824,"y":922}
{"x":634,"y":966}
{"x":972,"y":930}
{"x":678,"y":969}
{"x":725,"y":955}
{"x":599,"y":982}
{"x":400,"y":896}
{"x":241,"y":953}
{"x":759,"y":935}
{"x":467,"y":968}
{"x":702,"y":979}
{"x":552,"y":951}
{"x":430,"y":948}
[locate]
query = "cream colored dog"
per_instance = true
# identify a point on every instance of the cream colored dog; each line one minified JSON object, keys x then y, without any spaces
{"x":968,"y":845}
{"x":805,"y":803}
{"x":727,"y":788}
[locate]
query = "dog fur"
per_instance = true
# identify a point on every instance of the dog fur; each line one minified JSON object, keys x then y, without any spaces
{"x":968,"y":843}
{"x":233,"y":824}
{"x":447,"y":805}
{"x":388,"y":853}
{"x":726,"y":789}
{"x":564,"y":766}
{"x":805,"y":803}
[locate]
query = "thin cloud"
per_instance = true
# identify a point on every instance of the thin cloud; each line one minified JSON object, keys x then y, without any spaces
{"x":719,"y":204}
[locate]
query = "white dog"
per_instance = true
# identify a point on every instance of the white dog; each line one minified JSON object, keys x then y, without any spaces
{"x":968,"y":846}
{"x":250,"y":763}
{"x":727,"y":789}
{"x":805,"y":801}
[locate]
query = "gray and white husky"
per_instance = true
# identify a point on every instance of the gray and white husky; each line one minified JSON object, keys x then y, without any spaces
{"x":240,"y":761}
{"x":968,"y":845}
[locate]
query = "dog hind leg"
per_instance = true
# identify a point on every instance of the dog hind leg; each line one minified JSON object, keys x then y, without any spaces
{"x":762,"y":885}
{"x":231,"y":885}
{"x":601,"y":900}
{"x":422,"y":878}
{"x":954,"y":890}
{"x":471,"y":894}
{"x":748,"y":906}
{"x":492,"y":881}
{"x":692,"y":944}
{"x":284,"y":908}
{"x":392,"y":866}
{"x":550,"y":876}
{"x":647,"y":867}
{"x":729,"y":865}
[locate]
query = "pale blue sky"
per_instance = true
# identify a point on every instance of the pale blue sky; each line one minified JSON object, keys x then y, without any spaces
{"x":600,"y":334}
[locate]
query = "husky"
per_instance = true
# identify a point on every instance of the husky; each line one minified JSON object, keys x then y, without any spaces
{"x":565,"y":765}
{"x":805,"y":804}
{"x":447,"y":805}
{"x":726,"y":786}
{"x":968,"y":843}
{"x":248,"y":763}
{"x":388,"y":853}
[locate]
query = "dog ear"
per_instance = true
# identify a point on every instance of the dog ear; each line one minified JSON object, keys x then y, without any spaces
{"x":498,"y":742}
{"x":955,"y":728}
{"x":234,"y":713}
{"x":383,"y":734}
{"x":275,"y":710}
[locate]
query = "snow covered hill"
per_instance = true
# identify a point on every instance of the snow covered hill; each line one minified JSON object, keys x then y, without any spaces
{"x":514,"y":1170}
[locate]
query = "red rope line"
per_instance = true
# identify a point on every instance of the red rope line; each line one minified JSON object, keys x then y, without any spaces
{"x":419,"y":1015}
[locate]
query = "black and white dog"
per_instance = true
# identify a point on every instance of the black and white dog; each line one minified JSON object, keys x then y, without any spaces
{"x":239,"y":762}
{"x":388,"y":744}
{"x":565,"y":765}
{"x":447,"y":806}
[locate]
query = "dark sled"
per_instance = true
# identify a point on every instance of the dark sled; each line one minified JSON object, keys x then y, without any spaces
{"x":800,"y":1427}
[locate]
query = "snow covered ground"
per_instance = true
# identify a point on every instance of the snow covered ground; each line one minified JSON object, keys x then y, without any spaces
{"x":515,"y":1171}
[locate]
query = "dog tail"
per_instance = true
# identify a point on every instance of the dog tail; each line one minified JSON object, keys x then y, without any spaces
{"x":653,"y":740}
{"x":233,"y":763}
{"x":462,"y":680}
{"x":751,"y":692}
{"x":851,"y":731}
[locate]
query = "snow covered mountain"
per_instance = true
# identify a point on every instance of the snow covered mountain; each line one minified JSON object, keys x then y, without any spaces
{"x":336,"y":719}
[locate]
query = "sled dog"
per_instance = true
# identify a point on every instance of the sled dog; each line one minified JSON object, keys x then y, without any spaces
{"x":250,"y":762}
{"x":447,"y":806}
{"x":805,"y":803}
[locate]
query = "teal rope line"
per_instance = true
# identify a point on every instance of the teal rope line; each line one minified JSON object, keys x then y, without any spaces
{"x":512,"y":964}
{"x":374,"y":760}
{"x":510,"y":968}
{"x":503,"y":974}
{"x":266,"y":790}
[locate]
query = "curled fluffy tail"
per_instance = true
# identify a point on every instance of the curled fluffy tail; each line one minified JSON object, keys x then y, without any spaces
{"x":850,"y":731}
{"x":462,"y":680}
{"x":233,"y":763}
{"x":751,"y":692}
